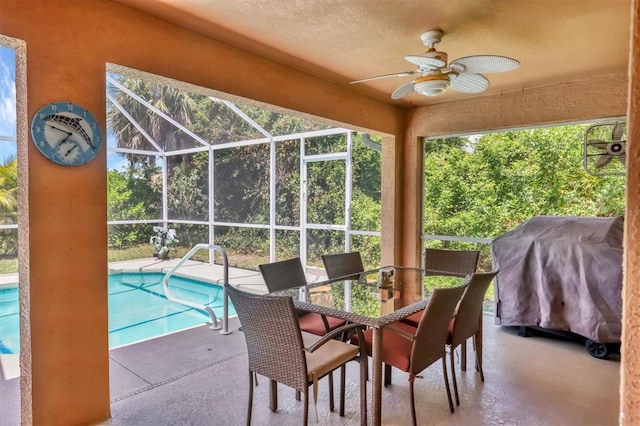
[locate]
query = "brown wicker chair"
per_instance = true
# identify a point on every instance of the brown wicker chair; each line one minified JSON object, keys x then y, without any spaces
{"x":285,"y":274}
{"x":467,"y":323}
{"x":278,"y":350}
{"x":452,"y":263}
{"x":342,"y":264}
{"x":455,"y":263}
{"x":412,"y":349}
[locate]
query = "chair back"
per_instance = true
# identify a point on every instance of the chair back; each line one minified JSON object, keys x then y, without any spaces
{"x":342,"y":264}
{"x":271,"y":331}
{"x":456,"y":263}
{"x":283,"y":274}
{"x":467,"y":317}
{"x":433,"y":329}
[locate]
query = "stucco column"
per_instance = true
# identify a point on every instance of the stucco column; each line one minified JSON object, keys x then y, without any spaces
{"x":411,"y":193}
{"x":391,"y":148}
{"x":402,"y":199}
{"x":630,"y":370}
{"x":63,"y":234}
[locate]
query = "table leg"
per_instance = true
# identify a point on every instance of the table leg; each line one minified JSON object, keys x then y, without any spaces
{"x":376,"y":366}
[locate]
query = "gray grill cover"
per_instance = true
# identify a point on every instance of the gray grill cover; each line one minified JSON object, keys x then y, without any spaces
{"x":562,"y":273}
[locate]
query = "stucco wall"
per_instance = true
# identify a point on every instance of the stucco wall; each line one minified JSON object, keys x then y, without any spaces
{"x":630,"y":371}
{"x":579,"y":100}
{"x":63,"y":269}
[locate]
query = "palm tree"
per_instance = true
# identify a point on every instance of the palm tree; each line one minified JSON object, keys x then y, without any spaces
{"x":177,"y":104}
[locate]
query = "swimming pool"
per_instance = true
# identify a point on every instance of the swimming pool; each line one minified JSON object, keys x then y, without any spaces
{"x":138,"y":308}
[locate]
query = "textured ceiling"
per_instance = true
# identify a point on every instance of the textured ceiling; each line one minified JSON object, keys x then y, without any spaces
{"x":345,"y":40}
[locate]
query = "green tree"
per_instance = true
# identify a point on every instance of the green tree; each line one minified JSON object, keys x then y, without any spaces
{"x":187,"y":199}
{"x":367,"y":171}
{"x":132,"y":195}
{"x":9,"y":191}
{"x":9,"y":206}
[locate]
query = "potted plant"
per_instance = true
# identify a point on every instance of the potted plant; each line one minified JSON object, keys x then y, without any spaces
{"x":162,"y":240}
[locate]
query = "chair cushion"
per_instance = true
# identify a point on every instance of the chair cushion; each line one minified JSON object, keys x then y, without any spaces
{"x":312,"y":323}
{"x":327,"y":357}
{"x":413,"y":319}
{"x":396,"y":349}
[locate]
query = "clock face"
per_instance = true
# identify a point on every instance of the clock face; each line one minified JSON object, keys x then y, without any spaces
{"x":66,"y":133}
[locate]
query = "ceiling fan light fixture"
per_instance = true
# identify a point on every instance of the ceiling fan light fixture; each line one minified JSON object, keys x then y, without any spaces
{"x":431,"y":85}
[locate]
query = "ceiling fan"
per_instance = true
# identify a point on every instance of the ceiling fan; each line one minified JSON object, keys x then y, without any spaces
{"x":603,"y":143}
{"x":435,"y":76}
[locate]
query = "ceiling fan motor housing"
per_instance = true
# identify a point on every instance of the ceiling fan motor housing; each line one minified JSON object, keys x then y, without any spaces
{"x":615,"y":148}
{"x":436,"y":55}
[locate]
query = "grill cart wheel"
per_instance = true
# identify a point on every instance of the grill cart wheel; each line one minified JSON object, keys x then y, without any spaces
{"x":597,"y":350}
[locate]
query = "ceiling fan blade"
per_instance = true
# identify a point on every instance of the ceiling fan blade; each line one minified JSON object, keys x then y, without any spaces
{"x":425,"y":61}
{"x":597,"y":143}
{"x":603,"y":160}
{"x":616,"y":134}
{"x":623,"y":159}
{"x":468,"y":83}
{"x":402,"y":91}
{"x":397,"y":74}
{"x":485,"y":64}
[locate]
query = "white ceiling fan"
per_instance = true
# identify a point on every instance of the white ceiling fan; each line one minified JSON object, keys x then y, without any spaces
{"x":435,"y":76}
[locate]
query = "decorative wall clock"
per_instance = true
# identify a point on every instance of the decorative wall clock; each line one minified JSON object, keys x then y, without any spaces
{"x":66,"y":133}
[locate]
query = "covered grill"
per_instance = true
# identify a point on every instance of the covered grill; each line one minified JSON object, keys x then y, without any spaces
{"x":562,"y":273}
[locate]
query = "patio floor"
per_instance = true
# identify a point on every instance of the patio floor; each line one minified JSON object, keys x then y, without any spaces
{"x":199,"y":377}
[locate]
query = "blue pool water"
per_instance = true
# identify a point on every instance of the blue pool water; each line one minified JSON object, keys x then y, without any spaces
{"x":138,"y":309}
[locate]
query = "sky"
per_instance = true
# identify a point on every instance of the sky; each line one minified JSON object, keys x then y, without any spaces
{"x":7,"y":103}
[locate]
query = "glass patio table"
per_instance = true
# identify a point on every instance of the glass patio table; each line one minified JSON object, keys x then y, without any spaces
{"x":374,"y":298}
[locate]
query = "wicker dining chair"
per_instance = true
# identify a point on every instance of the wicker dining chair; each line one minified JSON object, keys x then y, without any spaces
{"x":286,"y":274}
{"x":280,"y":351}
{"x":413,"y":349}
{"x":467,"y":322}
{"x":452,"y":263}
{"x":456,"y":263}
{"x":342,"y":264}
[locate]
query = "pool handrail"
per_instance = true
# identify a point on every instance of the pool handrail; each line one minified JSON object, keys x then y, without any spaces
{"x":207,"y":309}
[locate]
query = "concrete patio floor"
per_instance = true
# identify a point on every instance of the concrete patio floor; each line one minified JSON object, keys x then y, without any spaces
{"x":199,"y":377}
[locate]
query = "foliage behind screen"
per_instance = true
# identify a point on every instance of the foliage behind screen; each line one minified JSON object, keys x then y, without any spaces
{"x":241,"y":174}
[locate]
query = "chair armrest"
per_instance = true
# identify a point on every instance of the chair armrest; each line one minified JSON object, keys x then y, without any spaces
{"x":401,"y":332}
{"x":336,"y":332}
